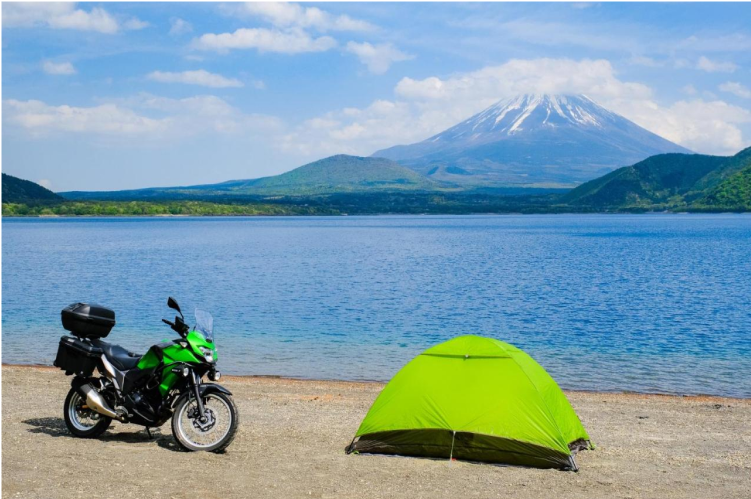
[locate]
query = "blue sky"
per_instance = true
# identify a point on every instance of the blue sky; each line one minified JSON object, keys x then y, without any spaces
{"x":116,"y":95}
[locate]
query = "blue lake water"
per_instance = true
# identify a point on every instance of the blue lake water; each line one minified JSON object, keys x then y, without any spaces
{"x":650,"y":303}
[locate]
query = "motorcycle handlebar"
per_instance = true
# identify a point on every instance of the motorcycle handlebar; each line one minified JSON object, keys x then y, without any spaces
{"x":178,"y":326}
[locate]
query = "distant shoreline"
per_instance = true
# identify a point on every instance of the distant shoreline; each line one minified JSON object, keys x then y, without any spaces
{"x":344,"y":215}
{"x":344,"y":382}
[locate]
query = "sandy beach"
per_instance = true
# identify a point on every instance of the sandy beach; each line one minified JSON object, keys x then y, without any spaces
{"x":293,"y":433}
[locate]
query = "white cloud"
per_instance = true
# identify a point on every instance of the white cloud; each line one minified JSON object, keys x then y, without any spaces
{"x":640,"y":60}
{"x":427,"y":106}
{"x":292,"y":15}
{"x":378,"y":58}
{"x":44,"y":182}
{"x":63,"y":16}
{"x":689,"y":90}
{"x":62,"y":68}
{"x":357,"y":131}
{"x":737,"y":89}
{"x":596,"y":78}
{"x":733,"y":42}
{"x":583,"y":5}
{"x":265,"y":40}
{"x":710,"y":127}
{"x":147,"y":116}
{"x":195,"y":115}
{"x":431,"y":87}
{"x":180,"y":27}
{"x":199,"y":77}
{"x":36,"y":116}
{"x":710,"y":66}
{"x":135,"y":24}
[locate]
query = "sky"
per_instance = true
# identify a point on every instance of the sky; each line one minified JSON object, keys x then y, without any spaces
{"x":125,"y":95}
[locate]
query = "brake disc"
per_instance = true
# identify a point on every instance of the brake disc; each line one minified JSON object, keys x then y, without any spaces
{"x":204,"y":426}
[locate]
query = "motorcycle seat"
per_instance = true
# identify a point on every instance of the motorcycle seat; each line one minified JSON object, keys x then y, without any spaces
{"x":117,"y":355}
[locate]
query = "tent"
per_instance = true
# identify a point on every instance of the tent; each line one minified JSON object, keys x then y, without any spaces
{"x":474,"y":399}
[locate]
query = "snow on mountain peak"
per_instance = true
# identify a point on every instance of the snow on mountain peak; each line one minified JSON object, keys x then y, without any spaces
{"x":532,"y":111}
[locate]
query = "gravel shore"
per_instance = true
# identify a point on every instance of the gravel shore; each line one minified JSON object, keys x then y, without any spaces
{"x":293,"y":433}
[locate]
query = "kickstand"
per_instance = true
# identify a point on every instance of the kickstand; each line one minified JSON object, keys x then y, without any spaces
{"x":149,"y":432}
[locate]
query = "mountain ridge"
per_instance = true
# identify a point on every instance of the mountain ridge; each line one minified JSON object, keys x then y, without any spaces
{"x":670,"y":181}
{"x":334,"y":174}
{"x":18,"y":190}
{"x":533,"y":139}
{"x":666,"y":182}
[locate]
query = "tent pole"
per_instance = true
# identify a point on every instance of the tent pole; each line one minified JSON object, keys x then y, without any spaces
{"x":451,"y":454}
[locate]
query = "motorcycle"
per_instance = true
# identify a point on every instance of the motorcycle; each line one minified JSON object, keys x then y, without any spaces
{"x":148,"y":389}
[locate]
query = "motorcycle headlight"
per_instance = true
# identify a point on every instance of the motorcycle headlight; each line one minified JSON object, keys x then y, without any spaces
{"x":207,"y":353}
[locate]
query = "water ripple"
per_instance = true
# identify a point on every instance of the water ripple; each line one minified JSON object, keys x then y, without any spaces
{"x":642,"y":303}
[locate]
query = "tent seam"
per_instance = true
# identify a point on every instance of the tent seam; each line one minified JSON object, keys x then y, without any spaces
{"x":544,"y":402}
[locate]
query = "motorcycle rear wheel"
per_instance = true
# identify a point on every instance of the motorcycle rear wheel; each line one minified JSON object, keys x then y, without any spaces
{"x":81,"y":421}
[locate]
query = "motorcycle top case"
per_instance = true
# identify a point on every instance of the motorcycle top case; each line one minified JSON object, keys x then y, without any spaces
{"x":88,"y":321}
{"x":75,"y":356}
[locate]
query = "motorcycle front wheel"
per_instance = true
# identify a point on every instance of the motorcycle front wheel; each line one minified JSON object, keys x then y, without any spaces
{"x":82,"y":421}
{"x":217,"y":429}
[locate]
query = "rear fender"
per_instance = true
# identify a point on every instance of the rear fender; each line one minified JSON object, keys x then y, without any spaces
{"x":77,"y":382}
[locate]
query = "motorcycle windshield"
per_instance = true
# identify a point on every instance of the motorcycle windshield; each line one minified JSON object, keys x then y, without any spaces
{"x":205,"y":324}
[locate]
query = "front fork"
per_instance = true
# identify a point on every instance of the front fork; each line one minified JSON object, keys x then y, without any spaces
{"x":197,"y":394}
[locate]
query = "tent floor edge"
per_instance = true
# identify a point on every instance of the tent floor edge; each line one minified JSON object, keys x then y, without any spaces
{"x":467,"y":446}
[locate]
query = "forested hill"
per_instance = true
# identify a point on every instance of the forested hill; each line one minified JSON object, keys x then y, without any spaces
{"x":17,"y":190}
{"x":336,"y":174}
{"x":670,"y":181}
{"x":351,"y":185}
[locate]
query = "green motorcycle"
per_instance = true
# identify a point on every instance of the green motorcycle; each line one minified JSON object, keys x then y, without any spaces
{"x":148,"y":389}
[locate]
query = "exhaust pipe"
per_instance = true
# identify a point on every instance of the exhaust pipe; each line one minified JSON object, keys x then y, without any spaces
{"x":96,"y":402}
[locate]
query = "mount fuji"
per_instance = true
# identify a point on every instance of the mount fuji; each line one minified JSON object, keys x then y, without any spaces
{"x":532,"y":140}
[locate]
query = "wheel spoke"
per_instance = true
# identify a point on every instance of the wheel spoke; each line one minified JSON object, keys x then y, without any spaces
{"x":81,"y":416}
{"x":210,"y":431}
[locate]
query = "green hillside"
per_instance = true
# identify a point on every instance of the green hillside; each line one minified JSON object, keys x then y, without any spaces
{"x":667,"y":181}
{"x":17,"y":190}
{"x":335,"y":174}
{"x":354,"y":185}
{"x":341,"y":173}
{"x":732,"y":194}
{"x":729,"y":167}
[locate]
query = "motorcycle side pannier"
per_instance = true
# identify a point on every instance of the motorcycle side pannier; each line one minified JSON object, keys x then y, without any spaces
{"x":75,"y":356}
{"x":88,"y":321}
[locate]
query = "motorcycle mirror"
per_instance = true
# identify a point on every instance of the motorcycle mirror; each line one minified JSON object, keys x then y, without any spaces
{"x":172,"y":303}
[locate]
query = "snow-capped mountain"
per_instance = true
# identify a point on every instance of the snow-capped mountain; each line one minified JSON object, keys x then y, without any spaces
{"x":533,"y":139}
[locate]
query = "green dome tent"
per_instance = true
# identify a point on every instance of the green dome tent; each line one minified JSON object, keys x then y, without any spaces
{"x":475,"y":399}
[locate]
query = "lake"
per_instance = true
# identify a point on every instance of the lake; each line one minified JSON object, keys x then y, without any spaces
{"x":647,"y":303}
